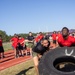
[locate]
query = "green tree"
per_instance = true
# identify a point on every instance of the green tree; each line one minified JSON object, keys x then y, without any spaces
{"x":5,"y":37}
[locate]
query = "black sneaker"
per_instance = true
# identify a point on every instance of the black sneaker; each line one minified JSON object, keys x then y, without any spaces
{"x":16,"y":56}
{"x":22,"y":55}
{"x":3,"y":56}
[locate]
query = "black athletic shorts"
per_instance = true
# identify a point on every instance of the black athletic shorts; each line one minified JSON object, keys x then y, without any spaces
{"x":1,"y":49}
{"x":54,"y":41}
{"x":19,"y":47}
{"x":25,"y":47}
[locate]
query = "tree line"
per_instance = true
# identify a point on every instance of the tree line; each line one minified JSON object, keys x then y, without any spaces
{"x":6,"y":38}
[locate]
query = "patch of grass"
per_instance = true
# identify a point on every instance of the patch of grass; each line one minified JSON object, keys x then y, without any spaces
{"x":7,"y":46}
{"x":25,"y":68}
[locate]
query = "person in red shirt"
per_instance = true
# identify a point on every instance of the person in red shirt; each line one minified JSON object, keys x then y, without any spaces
{"x":59,"y":34}
{"x":66,"y":39}
{"x":54,"y":37}
{"x":36,"y":40}
{"x":39,"y":37}
{"x":21,"y":45}
{"x":1,"y":48}
{"x":14,"y":41}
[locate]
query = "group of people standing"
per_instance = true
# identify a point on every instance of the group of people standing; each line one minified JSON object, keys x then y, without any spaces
{"x":19,"y":44}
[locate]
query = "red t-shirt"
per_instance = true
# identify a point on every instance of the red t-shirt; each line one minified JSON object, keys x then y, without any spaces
{"x":54,"y":36}
{"x":0,"y":42}
{"x":38,"y":38}
{"x":59,"y":35}
{"x":21,"y":41}
{"x":14,"y":41}
{"x":70,"y":41}
{"x":41,"y":37}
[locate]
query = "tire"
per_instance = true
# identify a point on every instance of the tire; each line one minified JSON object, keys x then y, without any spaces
{"x":60,"y":61}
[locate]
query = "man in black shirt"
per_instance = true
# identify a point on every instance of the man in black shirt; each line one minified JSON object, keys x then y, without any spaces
{"x":38,"y":51}
{"x":30,"y":42}
{"x":30,"y":37}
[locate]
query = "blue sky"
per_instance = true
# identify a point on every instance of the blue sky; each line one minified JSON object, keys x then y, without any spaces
{"x":23,"y":16}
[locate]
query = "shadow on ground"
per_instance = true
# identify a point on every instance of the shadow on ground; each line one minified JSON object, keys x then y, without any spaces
{"x":24,"y":71}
